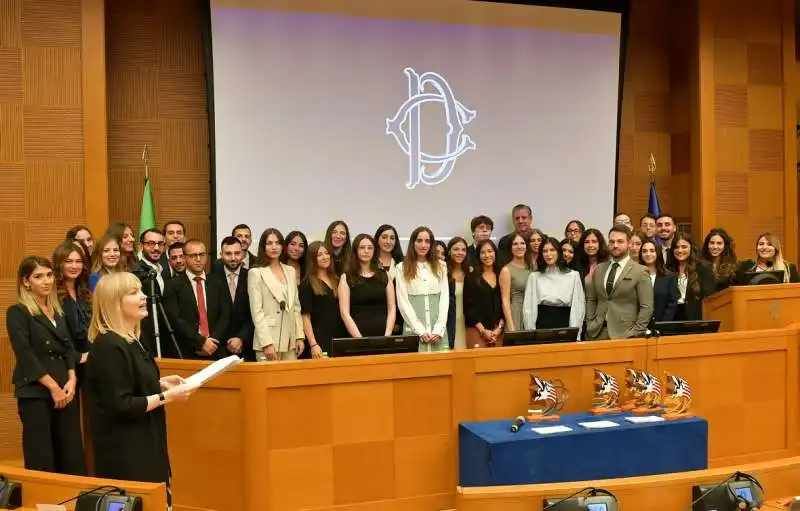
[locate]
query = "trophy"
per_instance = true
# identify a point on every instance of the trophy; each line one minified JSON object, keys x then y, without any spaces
{"x":631,"y":388}
{"x":546,"y":397}
{"x":649,"y":394}
{"x":606,"y":394}
{"x":678,"y":400}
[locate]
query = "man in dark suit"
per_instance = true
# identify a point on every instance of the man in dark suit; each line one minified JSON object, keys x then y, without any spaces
{"x":242,"y":233}
{"x":149,"y":270}
{"x":176,"y":261}
{"x":239,"y":337}
{"x":174,"y":232}
{"x":198,"y":306}
{"x":619,"y":298}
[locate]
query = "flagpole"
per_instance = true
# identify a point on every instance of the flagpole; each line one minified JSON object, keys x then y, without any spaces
{"x":146,"y":160}
{"x":651,"y":168}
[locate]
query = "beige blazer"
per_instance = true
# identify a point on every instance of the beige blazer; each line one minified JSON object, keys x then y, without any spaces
{"x":627,"y":311}
{"x":273,"y":326}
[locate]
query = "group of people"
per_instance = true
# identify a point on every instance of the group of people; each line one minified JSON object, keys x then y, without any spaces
{"x":94,"y":319}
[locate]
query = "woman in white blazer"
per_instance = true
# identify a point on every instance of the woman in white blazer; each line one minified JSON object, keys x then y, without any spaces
{"x":274,"y":302}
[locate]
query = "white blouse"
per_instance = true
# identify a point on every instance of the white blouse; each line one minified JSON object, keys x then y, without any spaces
{"x":426,"y":283}
{"x":683,"y":280}
{"x":557,"y":289}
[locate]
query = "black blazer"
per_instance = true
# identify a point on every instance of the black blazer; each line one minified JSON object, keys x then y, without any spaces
{"x":40,"y":349}
{"x":482,"y":302}
{"x":749,"y":265}
{"x":708,"y":284}
{"x":181,"y":307}
{"x":665,"y":297}
{"x":241,"y":322}
{"x":128,"y":442}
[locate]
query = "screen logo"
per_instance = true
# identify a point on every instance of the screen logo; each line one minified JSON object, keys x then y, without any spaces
{"x":425,"y":88}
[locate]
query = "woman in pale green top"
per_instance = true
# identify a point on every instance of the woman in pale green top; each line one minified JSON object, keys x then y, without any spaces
{"x":513,"y":279}
{"x":423,"y":292}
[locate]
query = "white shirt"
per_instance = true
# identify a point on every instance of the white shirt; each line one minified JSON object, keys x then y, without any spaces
{"x":683,"y":280}
{"x":157,"y":267}
{"x":653,"y":279}
{"x":555,"y":288}
{"x":622,"y":262}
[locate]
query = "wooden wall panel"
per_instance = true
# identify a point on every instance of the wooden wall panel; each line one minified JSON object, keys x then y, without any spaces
{"x":41,"y":153}
{"x":157,"y":95}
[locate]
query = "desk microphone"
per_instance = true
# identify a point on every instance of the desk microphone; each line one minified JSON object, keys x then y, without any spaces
{"x":517,"y":424}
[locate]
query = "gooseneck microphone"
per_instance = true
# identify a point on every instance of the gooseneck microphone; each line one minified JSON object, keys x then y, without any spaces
{"x":282,"y":305}
{"x":518,"y":424}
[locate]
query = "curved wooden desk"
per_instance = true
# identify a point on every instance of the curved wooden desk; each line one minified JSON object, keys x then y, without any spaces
{"x":367,"y":432}
{"x":656,"y":493}
{"x":47,"y":488}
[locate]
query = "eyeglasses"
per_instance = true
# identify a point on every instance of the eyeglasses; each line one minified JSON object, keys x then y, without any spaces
{"x":153,"y":244}
{"x":198,"y":255}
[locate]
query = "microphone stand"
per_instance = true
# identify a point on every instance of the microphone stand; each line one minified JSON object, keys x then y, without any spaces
{"x":158,"y":307}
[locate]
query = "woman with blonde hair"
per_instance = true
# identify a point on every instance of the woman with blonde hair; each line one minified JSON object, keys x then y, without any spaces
{"x":769,"y":257}
{"x":423,"y":292}
{"x":105,"y":259}
{"x":44,"y":373}
{"x":125,"y":394}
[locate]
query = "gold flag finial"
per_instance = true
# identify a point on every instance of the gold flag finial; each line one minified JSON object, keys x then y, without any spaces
{"x":651,"y":167}
{"x":146,"y":160}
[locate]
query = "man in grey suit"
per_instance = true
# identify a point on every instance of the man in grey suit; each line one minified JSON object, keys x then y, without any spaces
{"x":619,"y":298}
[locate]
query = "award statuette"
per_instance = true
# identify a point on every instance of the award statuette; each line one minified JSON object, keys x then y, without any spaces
{"x":678,"y":400}
{"x":606,"y":394}
{"x":649,"y":394}
{"x":546,"y":397}
{"x":631,"y":388}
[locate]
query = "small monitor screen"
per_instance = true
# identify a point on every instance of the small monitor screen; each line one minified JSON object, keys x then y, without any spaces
{"x":115,"y":506}
{"x":597,"y":507}
{"x":745,"y":493}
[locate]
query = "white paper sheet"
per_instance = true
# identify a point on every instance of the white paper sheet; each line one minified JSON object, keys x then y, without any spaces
{"x":644,"y":419}
{"x":212,"y":371}
{"x":548,"y":430}
{"x":598,"y":424}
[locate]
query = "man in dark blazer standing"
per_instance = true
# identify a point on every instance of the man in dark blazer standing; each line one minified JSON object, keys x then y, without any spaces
{"x":198,"y":307}
{"x":619,"y":298}
{"x":233,"y":275}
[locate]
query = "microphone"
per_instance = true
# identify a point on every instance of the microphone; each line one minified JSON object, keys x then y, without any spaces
{"x":518,"y":424}
{"x":282,"y":305}
{"x":769,"y":264}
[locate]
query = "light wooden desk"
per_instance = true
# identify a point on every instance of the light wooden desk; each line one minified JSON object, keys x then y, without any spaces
{"x":380,"y":433}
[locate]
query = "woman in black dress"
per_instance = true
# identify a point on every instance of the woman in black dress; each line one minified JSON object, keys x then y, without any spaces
{"x":44,"y":373}
{"x":483,"y":305}
{"x":319,"y":303}
{"x":125,"y":395}
{"x":366,"y":294}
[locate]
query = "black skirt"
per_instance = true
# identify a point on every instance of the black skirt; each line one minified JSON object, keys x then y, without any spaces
{"x":549,"y":316}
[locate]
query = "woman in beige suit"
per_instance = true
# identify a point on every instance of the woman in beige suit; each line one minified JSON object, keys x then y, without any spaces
{"x":274,"y":302}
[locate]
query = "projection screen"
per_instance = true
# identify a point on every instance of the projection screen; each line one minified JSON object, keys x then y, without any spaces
{"x":413,"y":112}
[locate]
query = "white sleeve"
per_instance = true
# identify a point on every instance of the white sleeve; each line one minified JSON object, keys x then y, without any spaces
{"x":577,"y":310}
{"x":444,"y":302}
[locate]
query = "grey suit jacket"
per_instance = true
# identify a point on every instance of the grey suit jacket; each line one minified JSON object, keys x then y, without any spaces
{"x":629,"y":307}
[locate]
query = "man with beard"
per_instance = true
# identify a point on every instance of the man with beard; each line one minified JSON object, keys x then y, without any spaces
{"x":239,"y":336}
{"x":619,"y":297}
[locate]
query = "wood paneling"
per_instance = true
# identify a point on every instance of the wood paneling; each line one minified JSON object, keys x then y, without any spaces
{"x":41,"y":151}
{"x":157,"y":96}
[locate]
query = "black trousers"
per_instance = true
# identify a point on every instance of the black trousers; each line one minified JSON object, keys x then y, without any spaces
{"x":51,"y":439}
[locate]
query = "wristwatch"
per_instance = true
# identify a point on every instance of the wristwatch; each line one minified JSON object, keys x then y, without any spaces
{"x":161,"y":398}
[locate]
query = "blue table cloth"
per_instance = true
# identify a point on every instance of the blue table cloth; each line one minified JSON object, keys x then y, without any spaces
{"x":491,"y":455}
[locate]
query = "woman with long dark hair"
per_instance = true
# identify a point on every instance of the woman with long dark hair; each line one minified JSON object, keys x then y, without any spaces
{"x":294,"y":252}
{"x":719,"y":250}
{"x":695,"y":278}
{"x":423,"y":295}
{"x":554,"y":296}
{"x":513,"y":280}
{"x":71,"y":269}
{"x":665,"y":285}
{"x":389,"y":252}
{"x":592,"y":250}
{"x":319,"y":301}
{"x":82,"y":234}
{"x":337,"y":241}
{"x":457,"y":270}
{"x":483,"y":304}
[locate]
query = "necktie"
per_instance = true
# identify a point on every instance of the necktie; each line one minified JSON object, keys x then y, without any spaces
{"x":232,"y":285}
{"x":201,"y":306}
{"x":610,"y":280}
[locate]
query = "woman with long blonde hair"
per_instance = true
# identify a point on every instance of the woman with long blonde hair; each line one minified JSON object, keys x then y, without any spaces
{"x":769,"y":257}
{"x":125,"y":394}
{"x":44,"y":373}
{"x":105,"y":259}
{"x":423,"y":292}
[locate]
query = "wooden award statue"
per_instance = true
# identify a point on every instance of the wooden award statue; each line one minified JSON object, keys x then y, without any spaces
{"x":678,"y":399}
{"x":606,"y":394}
{"x":546,"y":397}
{"x":631,"y":389}
{"x":649,"y":394}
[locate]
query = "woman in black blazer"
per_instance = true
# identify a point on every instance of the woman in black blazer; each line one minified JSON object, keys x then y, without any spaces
{"x":695,"y":278}
{"x":44,"y":374}
{"x":483,"y":304}
{"x":769,"y":257}
{"x":719,"y":251}
{"x":71,"y":268}
{"x":665,"y":285}
{"x":124,"y":393}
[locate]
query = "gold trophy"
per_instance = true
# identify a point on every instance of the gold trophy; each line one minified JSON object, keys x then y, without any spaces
{"x":546,"y":397}
{"x":606,"y":394}
{"x":678,"y":400}
{"x":649,"y":394}
{"x":631,"y":389}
